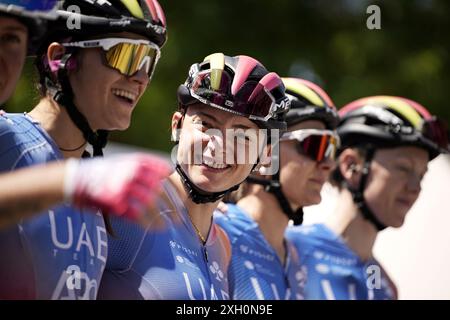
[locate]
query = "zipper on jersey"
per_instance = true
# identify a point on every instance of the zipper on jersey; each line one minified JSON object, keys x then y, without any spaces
{"x":205,"y":253}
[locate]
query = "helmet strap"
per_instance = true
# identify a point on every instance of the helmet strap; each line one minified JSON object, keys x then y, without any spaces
{"x":198,"y":195}
{"x":64,"y":97}
{"x":273,"y":186}
{"x":358,"y":194}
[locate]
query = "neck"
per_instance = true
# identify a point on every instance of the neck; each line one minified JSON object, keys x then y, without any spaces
{"x":263,"y":207}
{"x":348,"y":222}
{"x":57,"y":123}
{"x":200,"y":214}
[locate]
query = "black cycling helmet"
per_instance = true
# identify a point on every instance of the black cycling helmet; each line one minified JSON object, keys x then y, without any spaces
{"x":308,"y":102}
{"x":31,"y":13}
{"x":379,"y":122}
{"x":240,"y":85}
{"x":84,"y":19}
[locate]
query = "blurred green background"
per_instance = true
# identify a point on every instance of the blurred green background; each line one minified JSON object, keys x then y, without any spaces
{"x":323,"y":41}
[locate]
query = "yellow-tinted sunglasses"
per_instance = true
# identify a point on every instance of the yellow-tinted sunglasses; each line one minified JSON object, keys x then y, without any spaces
{"x":127,"y":56}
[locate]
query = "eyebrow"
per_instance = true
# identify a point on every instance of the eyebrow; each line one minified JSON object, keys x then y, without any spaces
{"x":411,"y":161}
{"x":200,"y":113}
{"x":241,"y":126}
{"x":237,"y":126}
{"x":15,"y":28}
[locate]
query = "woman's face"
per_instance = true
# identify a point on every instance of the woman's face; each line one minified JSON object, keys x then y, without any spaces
{"x":301,"y":177}
{"x":394,"y":181}
{"x":13,"y":50}
{"x":207,"y":151}
{"x":99,"y":90}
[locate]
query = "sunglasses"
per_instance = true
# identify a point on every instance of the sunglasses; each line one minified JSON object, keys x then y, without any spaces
{"x":127,"y":56}
{"x":318,"y":145}
{"x":255,"y":100}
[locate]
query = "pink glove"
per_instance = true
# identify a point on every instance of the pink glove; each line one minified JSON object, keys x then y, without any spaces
{"x":124,"y":185}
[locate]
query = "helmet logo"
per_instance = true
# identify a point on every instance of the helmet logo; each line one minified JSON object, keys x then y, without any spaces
{"x":283,"y":105}
{"x":121,"y":23}
{"x":156,"y":28}
{"x":192,"y":71}
{"x":73,"y":21}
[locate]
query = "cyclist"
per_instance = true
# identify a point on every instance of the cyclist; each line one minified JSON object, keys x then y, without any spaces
{"x":263,"y":263}
{"x":188,"y":257}
{"x":91,"y":79}
{"x":387,"y":143}
{"x":31,"y":190}
{"x":22,"y":25}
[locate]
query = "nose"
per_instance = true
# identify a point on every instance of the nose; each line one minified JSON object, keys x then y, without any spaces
{"x":140,"y":77}
{"x":414,"y":183}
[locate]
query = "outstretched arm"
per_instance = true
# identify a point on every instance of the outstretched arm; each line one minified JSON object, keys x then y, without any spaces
{"x":124,"y":185}
{"x":26,"y":191}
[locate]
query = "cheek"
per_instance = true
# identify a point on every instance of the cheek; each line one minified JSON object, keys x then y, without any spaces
{"x":381,"y":191}
{"x":11,"y":65}
{"x":292,"y":176}
{"x":190,"y":144}
{"x":92,"y":79}
{"x":242,"y":172}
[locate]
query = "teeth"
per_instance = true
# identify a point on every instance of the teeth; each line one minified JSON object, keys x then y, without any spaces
{"x":126,"y":94}
{"x":210,"y":163}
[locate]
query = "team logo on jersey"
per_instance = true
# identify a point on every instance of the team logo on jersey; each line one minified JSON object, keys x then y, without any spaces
{"x":215,"y":269}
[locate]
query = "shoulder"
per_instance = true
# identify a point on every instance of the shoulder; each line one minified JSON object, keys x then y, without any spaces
{"x":389,"y":283}
{"x":306,"y":239}
{"x":307,"y":233}
{"x":234,"y":221}
{"x":234,"y":215}
{"x":12,"y":125}
{"x":22,"y":143}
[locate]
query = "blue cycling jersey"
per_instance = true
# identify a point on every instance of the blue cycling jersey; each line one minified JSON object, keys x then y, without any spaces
{"x":333,"y":271}
{"x":59,"y":254}
{"x":256,"y":272}
{"x":168,"y":261}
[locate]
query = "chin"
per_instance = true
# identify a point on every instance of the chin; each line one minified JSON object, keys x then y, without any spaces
{"x":121,"y":126}
{"x":313,"y":198}
{"x":397,"y":224}
{"x":210,"y":186}
{"x":124,"y":127}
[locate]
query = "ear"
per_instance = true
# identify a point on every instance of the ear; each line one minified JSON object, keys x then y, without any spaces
{"x":349,"y":165}
{"x":55,"y":51}
{"x":177,"y":119}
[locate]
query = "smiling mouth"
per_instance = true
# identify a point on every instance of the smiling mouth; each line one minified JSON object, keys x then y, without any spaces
{"x":210,"y":164}
{"x":125,"y":95}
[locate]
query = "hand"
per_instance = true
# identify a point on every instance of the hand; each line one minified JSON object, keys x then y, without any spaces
{"x":124,"y":185}
{"x":222,"y":207}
